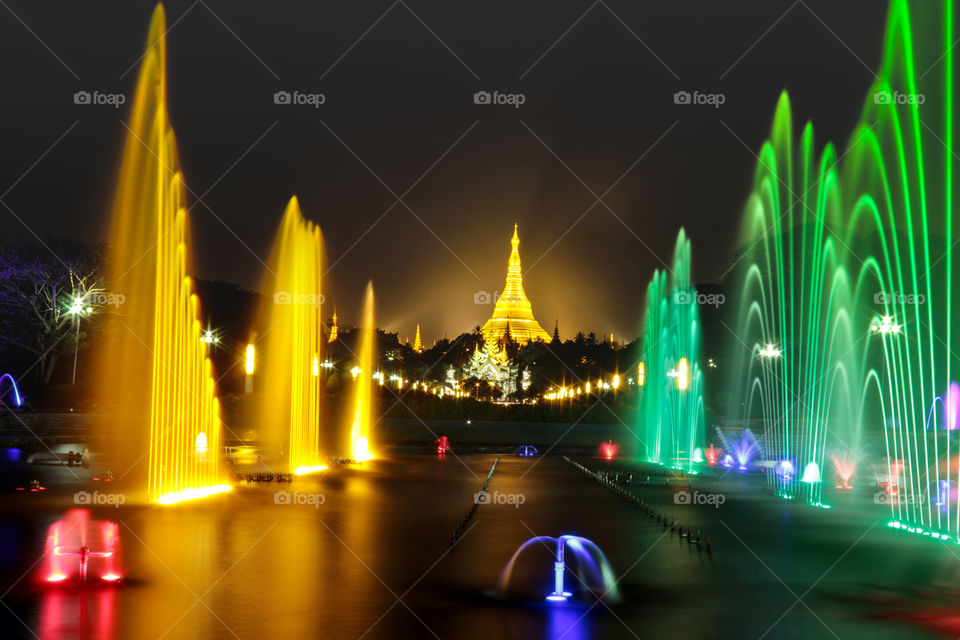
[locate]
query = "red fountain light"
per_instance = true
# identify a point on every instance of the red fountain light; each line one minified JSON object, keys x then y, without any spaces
{"x":608,"y":450}
{"x":79,"y":548}
{"x":443,"y":445}
{"x":891,"y":484}
{"x":712,"y":454}
{"x":844,"y":468}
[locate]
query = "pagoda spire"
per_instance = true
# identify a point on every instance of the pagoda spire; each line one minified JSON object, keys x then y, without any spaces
{"x":417,"y":346}
{"x":513,"y":313}
{"x":333,"y":327}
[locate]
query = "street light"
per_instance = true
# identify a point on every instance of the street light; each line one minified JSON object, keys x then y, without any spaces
{"x":77,"y":309}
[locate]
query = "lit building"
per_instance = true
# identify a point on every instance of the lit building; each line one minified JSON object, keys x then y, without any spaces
{"x":513,"y":312}
{"x":492,"y":364}
{"x":417,"y":346}
{"x":333,"y":327}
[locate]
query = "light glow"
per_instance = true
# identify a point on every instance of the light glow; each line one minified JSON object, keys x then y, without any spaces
{"x":192,"y":494}
{"x":250,"y":360}
{"x":304,"y":470}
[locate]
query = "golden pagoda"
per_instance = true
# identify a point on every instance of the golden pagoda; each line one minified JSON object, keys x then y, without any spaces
{"x":333,"y":328}
{"x":513,"y":311}
{"x":417,"y":346}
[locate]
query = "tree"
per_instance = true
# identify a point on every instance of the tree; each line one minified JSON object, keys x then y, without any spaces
{"x":41,"y":289}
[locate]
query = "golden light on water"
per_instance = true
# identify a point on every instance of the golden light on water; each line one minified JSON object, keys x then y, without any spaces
{"x":304,"y":470}
{"x":192,"y":494}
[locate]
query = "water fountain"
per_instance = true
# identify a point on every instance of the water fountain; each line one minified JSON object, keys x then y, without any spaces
{"x":591,"y":569}
{"x":363,"y":417}
{"x":712,"y":455}
{"x":289,"y":403}
{"x":17,"y":401}
{"x":608,"y":450}
{"x":844,"y":461}
{"x":671,"y":400}
{"x":78,"y":547}
{"x":526,"y":451}
{"x":156,"y":382}
{"x":442,"y":445}
{"x":843,"y":306}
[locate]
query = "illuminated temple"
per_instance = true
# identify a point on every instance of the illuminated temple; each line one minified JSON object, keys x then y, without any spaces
{"x":492,"y":364}
{"x":513,"y":311}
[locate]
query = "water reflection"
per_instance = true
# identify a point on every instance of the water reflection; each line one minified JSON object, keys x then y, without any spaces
{"x":78,"y":614}
{"x":567,"y":621}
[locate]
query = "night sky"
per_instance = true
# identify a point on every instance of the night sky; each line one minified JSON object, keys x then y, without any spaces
{"x":400,"y":121}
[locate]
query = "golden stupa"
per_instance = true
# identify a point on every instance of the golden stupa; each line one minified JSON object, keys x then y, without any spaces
{"x":513,"y":311}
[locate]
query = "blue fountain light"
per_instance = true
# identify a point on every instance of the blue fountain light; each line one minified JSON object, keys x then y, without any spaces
{"x":559,"y":567}
{"x":13,"y":385}
{"x":591,"y":568}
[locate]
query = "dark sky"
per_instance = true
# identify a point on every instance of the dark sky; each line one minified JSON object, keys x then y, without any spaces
{"x":399,"y":99}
